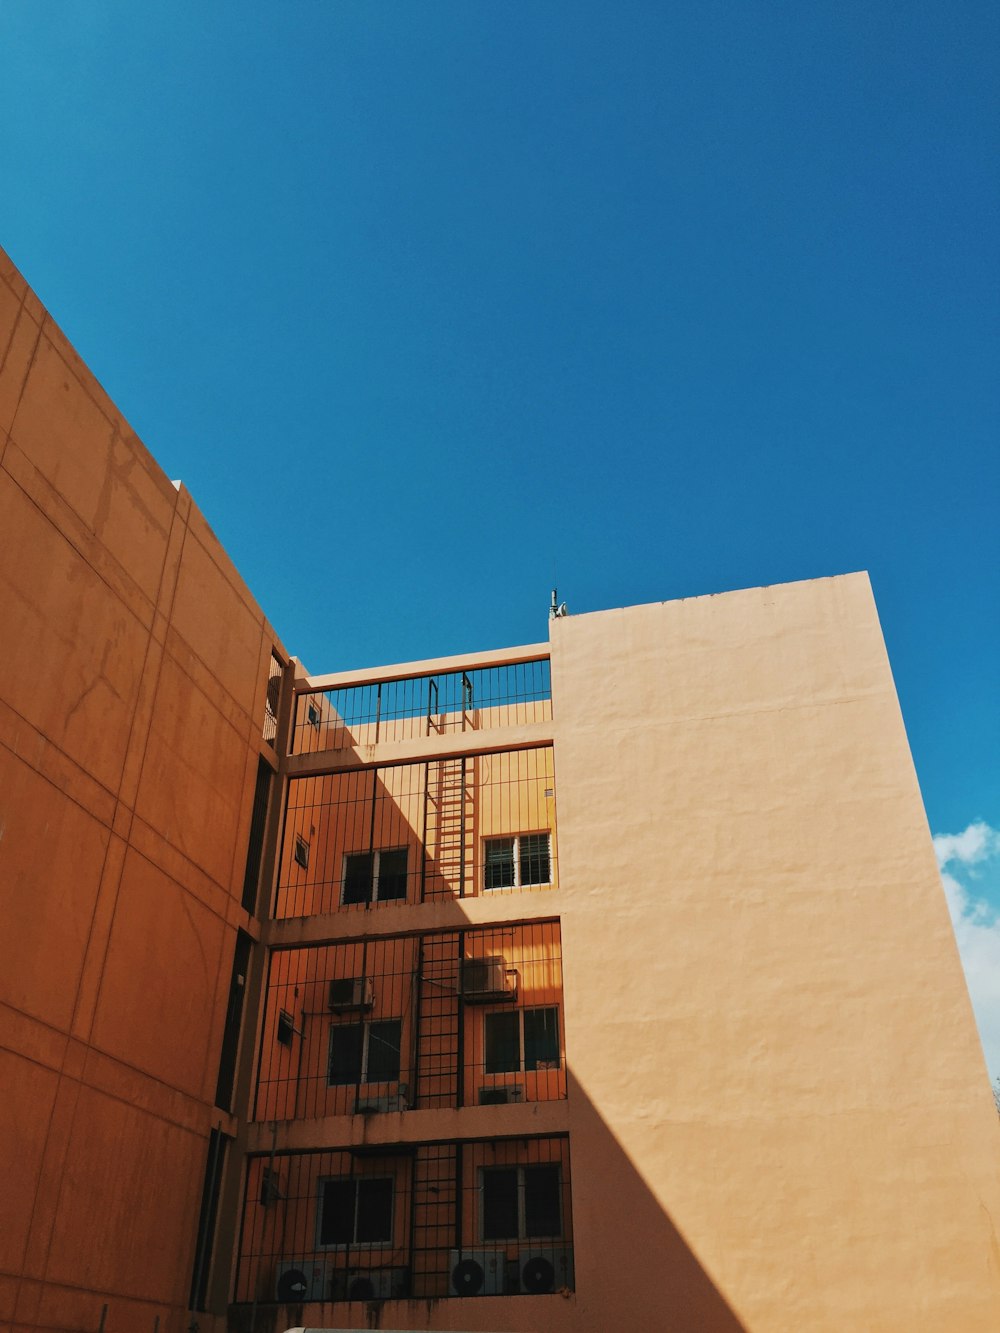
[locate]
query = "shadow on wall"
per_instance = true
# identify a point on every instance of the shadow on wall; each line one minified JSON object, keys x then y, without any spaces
{"x":635,"y":1271}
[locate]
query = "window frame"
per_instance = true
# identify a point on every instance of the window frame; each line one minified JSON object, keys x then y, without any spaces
{"x":363,"y":1081}
{"x":522,"y":1065}
{"x":354,"y":1243}
{"x":376,"y":854}
{"x":300,"y":851}
{"x":515,"y":838}
{"x":522,"y":1237}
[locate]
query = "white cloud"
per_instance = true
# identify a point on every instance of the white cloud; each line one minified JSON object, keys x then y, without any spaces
{"x":977,"y":927}
{"x":976,"y":844}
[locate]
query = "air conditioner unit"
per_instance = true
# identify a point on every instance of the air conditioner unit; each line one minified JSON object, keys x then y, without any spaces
{"x":501,"y":1095}
{"x":478,"y":1272}
{"x":545,"y":1268}
{"x":371,"y":1284}
{"x":301,"y":1280}
{"x":351,"y":993}
{"x":391,"y":1101}
{"x":488,"y":981}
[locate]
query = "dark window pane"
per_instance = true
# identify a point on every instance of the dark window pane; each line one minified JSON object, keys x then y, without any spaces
{"x":285,"y":1029}
{"x":358,"y":878}
{"x":499,"y":870}
{"x":500,"y":1204}
{"x":541,"y":1201}
{"x":336,"y":1225}
{"x":541,"y":1037}
{"x":234,"y":1019}
{"x":383,"y":1051}
{"x":392,"y":875}
{"x":258,"y":821}
{"x":534,"y":849}
{"x":345,"y":1052}
{"x":503,"y":1045}
{"x":374,"y":1211}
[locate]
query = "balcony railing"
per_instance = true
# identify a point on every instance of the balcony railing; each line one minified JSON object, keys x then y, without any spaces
{"x":414,"y":706}
{"x":408,"y":833}
{"x":444,"y":1019}
{"x":420,"y":1221}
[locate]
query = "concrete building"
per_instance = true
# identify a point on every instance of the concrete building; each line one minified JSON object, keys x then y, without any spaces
{"x":603,"y":983}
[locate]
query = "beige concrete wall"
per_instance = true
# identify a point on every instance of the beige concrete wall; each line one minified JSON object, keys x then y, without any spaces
{"x":132,"y":681}
{"x":777,"y":1093}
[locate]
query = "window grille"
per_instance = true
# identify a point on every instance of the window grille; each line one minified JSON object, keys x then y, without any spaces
{"x":447,"y":1018}
{"x":417,"y":1221}
{"x":444,"y":828}
{"x":272,"y":700}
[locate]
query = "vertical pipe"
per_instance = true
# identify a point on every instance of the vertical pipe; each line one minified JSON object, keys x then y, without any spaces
{"x":371,"y":834}
{"x":459,"y":1239}
{"x":364,"y":1028}
{"x":460,"y":1027}
{"x":461,"y":845}
{"x":423,"y":836}
{"x":104,"y":1315}
{"x":418,"y":978}
{"x":413,"y":1220}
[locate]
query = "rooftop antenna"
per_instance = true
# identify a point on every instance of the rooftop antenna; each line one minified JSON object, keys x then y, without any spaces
{"x":557,"y":609}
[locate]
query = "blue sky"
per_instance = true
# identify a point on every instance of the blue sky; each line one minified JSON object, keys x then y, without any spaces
{"x":487,"y":297}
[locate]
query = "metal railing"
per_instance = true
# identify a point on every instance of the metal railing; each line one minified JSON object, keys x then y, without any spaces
{"x":414,"y":706}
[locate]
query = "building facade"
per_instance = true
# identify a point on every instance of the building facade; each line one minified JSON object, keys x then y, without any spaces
{"x":601,"y":983}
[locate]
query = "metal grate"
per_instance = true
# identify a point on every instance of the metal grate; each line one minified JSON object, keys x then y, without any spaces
{"x":415,"y":706}
{"x":443,"y":1019}
{"x":272,"y":700}
{"x":444,"y":828}
{"x":418,"y":1221}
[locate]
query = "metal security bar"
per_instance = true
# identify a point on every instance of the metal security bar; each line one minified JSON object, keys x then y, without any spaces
{"x":408,"y":1221}
{"x":272,"y":700}
{"x":414,"y":706}
{"x":457,"y":827}
{"x":448,"y":1018}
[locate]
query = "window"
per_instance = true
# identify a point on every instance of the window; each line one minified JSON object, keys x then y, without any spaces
{"x":234,"y":1021}
{"x":301,"y":852}
{"x":217,"y":1142}
{"x":521,"y":1040}
{"x":284,"y":1028}
{"x":365,"y":1052}
{"x":355,"y":1211}
{"x":517,"y":862}
{"x":313,"y":716}
{"x":374,"y":876}
{"x":258,"y":822}
{"x":521,"y":1202}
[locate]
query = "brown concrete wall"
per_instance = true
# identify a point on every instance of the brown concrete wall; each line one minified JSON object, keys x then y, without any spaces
{"x":132,"y":680}
{"x":778,"y":1106}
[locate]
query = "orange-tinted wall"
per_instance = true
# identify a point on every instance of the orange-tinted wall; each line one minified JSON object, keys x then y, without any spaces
{"x":132,"y":683}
